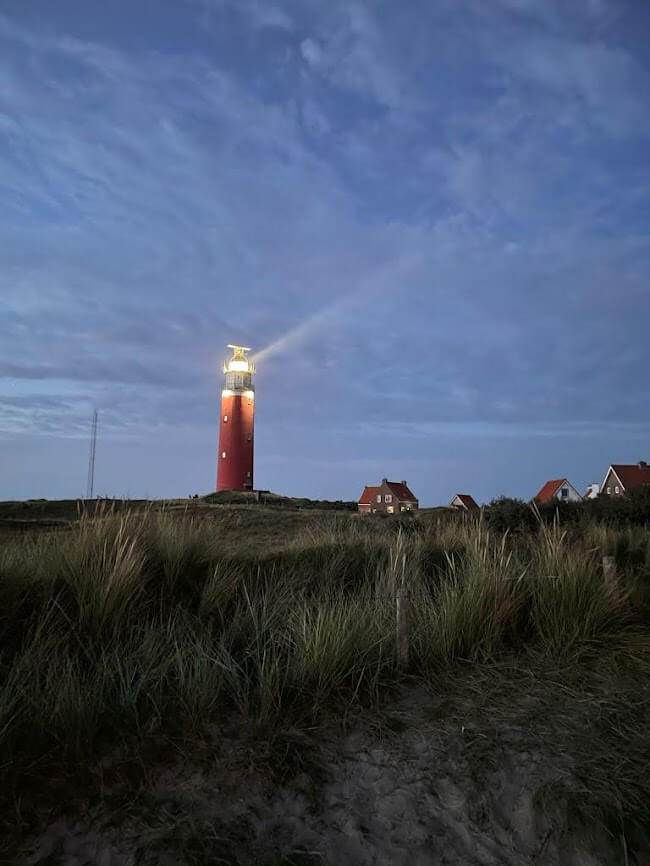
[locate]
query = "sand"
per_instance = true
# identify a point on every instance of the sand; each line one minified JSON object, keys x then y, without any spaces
{"x":413,"y":795}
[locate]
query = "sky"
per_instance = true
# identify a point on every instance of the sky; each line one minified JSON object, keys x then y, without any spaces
{"x":430,"y":220}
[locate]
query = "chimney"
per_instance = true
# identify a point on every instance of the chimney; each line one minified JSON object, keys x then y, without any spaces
{"x":384,"y":480}
{"x":404,"y":483}
{"x":642,"y":464}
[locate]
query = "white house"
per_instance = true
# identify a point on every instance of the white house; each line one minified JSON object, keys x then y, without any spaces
{"x":559,"y":489}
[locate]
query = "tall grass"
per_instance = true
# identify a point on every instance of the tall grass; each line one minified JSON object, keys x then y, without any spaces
{"x":129,"y":624}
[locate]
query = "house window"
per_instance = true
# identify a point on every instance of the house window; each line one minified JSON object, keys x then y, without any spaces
{"x":616,"y":489}
{"x":225,"y":418}
{"x":390,"y":509}
{"x":223,"y":455}
{"x":379,"y":497}
{"x":609,"y":490}
{"x":564,"y":493}
{"x":388,"y":498}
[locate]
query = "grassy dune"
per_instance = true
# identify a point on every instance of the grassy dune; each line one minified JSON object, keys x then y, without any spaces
{"x":132,"y":625}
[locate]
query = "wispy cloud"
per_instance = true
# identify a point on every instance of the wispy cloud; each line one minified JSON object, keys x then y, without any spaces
{"x":444,"y":224}
{"x":260,"y":15}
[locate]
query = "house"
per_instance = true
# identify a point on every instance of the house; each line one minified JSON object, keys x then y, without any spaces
{"x":560,"y":489}
{"x":390,"y":497}
{"x":592,"y":491}
{"x":621,"y":478}
{"x":463,"y":502}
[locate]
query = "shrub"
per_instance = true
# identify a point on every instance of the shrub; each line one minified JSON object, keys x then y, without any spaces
{"x":510,"y":515}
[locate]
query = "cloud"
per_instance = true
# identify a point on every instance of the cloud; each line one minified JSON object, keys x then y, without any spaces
{"x":258,"y":14}
{"x":353,"y":55}
{"x":312,"y":52}
{"x":442,"y":225}
{"x":266,"y":15}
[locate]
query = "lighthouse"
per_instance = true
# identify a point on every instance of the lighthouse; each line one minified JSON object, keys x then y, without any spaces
{"x":235,"y":458}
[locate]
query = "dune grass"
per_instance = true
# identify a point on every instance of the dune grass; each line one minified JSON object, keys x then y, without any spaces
{"x":132,"y":624}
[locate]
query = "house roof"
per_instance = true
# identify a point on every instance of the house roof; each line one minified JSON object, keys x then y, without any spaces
{"x":631,"y":475}
{"x":467,"y":500}
{"x":368,"y":495}
{"x":549,"y":490}
{"x":399,"y":490}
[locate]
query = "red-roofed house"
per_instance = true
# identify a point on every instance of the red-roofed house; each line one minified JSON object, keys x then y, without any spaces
{"x":559,"y":489}
{"x":621,"y":478}
{"x":390,"y":497}
{"x":463,"y":502}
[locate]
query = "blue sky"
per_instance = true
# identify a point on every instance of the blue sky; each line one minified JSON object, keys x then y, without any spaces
{"x":435,"y":214}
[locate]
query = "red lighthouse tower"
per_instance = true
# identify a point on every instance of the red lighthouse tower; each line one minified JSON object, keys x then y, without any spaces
{"x":235,"y":459}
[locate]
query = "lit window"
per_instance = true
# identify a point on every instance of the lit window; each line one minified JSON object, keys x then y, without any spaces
{"x":379,"y":497}
{"x":223,"y":455}
{"x":388,"y":498}
{"x":616,"y":489}
{"x":225,"y":417}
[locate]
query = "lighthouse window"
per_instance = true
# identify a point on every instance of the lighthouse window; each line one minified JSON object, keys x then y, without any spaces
{"x":249,"y":437}
{"x":223,"y":455}
{"x":225,"y":417}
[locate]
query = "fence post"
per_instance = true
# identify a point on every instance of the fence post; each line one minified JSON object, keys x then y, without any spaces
{"x":609,"y":568}
{"x":402,"y":628}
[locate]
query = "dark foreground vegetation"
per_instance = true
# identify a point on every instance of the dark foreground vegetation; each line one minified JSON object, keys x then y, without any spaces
{"x":127,"y":628}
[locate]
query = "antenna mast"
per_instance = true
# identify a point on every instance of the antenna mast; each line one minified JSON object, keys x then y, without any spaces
{"x":90,"y":484}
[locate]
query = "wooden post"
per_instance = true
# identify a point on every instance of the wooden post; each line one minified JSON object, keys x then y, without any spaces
{"x":402,"y":628}
{"x":609,"y":568}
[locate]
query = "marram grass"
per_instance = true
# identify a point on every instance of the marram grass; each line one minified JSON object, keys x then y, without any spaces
{"x":134,"y":623}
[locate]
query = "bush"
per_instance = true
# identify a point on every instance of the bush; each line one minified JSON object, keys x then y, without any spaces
{"x":265,"y":497}
{"x":630,"y":510}
{"x":510,"y":515}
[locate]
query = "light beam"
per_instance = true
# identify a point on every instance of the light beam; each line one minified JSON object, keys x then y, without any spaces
{"x":375,"y":283}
